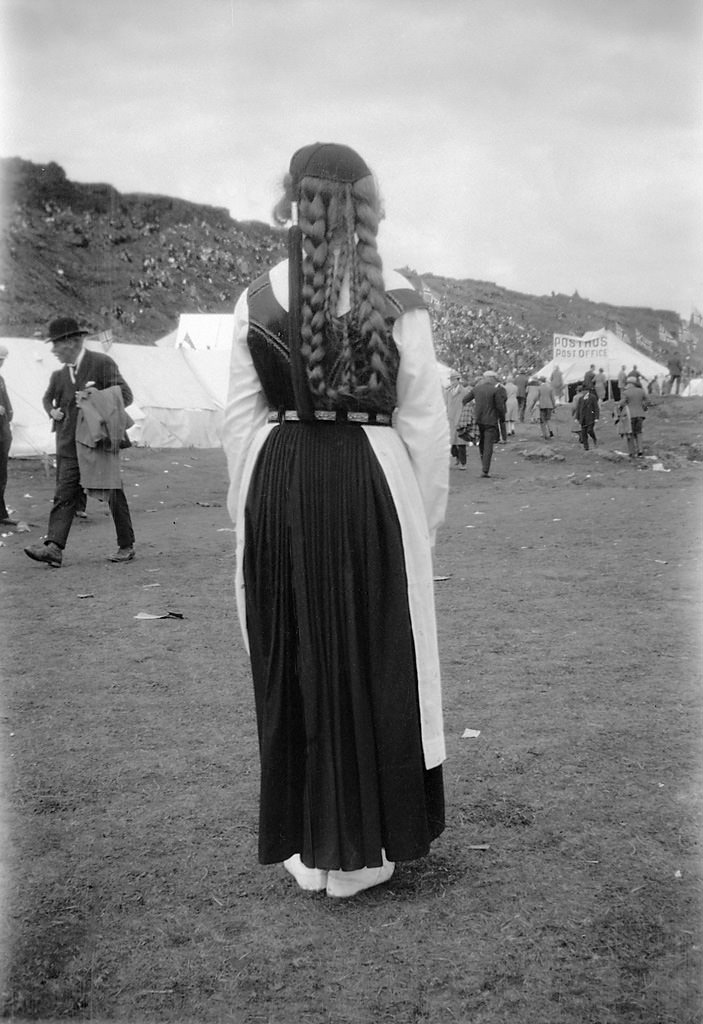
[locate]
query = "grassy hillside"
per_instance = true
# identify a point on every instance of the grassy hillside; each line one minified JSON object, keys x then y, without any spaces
{"x":131,"y":263}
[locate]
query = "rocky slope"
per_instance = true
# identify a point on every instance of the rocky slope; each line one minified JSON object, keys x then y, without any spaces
{"x":129,"y":263}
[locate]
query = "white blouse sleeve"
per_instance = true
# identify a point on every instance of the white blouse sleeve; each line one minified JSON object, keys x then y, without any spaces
{"x":246,"y":410}
{"x":421,"y":417}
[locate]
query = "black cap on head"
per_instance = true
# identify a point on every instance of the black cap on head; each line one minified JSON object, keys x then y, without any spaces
{"x":328,"y":160}
{"x":64,"y":328}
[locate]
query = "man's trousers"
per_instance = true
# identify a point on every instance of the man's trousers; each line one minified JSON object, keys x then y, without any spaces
{"x":66,"y":501}
{"x":487,"y":437}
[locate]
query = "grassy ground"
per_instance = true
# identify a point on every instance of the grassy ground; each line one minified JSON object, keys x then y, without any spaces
{"x":566,"y":887}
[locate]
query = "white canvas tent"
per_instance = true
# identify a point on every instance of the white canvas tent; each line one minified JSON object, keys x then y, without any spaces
{"x":200,"y":331}
{"x":27,"y":370}
{"x":602,"y":349}
{"x":179,"y":394}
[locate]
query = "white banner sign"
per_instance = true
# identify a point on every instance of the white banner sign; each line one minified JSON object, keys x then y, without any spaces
{"x":568,"y":346}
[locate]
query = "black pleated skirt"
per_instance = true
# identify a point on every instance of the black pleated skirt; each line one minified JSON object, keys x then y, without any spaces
{"x":333,"y":660}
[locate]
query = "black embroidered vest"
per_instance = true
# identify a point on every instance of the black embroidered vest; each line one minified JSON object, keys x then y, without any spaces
{"x":268,"y":337}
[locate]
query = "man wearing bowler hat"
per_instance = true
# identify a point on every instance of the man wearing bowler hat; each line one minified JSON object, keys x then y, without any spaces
{"x":81,"y":369}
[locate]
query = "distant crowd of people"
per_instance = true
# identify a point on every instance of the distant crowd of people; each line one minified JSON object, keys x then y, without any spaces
{"x":469,"y":340}
{"x":485,"y":413}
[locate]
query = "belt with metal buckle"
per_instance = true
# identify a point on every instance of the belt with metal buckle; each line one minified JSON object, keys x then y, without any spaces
{"x":372,"y":419}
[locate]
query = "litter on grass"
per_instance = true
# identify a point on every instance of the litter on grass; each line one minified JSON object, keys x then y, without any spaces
{"x":166,"y":615}
{"x":470,"y":733}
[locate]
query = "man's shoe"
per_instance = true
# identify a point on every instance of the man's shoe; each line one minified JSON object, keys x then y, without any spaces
{"x":50,"y":553}
{"x":81,"y":515}
{"x":8,"y":522}
{"x":122,"y":555}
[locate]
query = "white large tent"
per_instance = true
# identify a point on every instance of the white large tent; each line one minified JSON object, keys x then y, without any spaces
{"x":179,"y":395}
{"x":27,"y":370}
{"x":200,"y":331}
{"x":602,"y":349}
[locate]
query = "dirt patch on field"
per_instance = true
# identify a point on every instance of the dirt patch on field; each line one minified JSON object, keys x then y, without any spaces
{"x":566,"y":886}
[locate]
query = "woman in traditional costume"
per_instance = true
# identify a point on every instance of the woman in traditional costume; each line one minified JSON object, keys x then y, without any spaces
{"x":337,"y":444}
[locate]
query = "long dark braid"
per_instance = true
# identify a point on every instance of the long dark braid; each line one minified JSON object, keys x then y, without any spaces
{"x":380,"y":348}
{"x":352,"y":359}
{"x":313,"y":223}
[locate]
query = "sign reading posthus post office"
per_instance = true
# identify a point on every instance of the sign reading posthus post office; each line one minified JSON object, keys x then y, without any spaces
{"x":569,"y":346}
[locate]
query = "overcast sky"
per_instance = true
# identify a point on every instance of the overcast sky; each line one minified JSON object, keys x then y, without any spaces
{"x":546,"y":145}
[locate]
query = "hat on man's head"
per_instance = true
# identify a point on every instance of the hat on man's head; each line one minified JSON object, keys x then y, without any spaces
{"x":631,"y":380}
{"x":490,"y":373}
{"x":328,"y":160}
{"x":63,"y":328}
